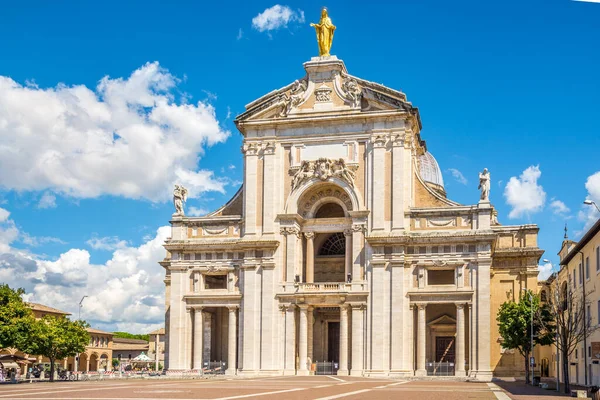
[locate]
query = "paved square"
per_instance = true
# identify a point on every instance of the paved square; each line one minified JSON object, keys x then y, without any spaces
{"x":311,"y":387}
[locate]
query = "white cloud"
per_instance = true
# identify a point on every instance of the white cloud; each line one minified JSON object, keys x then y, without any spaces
{"x":545,"y":271}
{"x":588,"y":1}
{"x":126,"y":292}
{"x":240,"y":34}
{"x":48,"y":200}
{"x":524,"y":194}
{"x":276,"y":17}
{"x":106,"y":243}
{"x":4,"y":214}
{"x":458,"y":176}
{"x":128,"y":137}
{"x":196,"y":212}
{"x":35,"y":241}
{"x":559,"y":208}
{"x":588,"y":213}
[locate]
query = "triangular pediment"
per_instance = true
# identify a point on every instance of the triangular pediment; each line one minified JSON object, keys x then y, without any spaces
{"x":327,"y":88}
{"x":443,"y":320}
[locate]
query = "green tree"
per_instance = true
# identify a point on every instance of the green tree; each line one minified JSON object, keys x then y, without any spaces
{"x":15,"y":318}
{"x":57,"y":338}
{"x":127,"y":335}
{"x":514,"y":323}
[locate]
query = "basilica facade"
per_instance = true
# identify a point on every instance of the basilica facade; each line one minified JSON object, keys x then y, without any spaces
{"x":341,"y":252}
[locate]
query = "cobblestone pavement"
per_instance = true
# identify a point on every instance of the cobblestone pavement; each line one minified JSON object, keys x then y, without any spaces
{"x":310,"y":387}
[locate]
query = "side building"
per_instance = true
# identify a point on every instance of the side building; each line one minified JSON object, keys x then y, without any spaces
{"x":341,"y":251}
{"x":580,"y":273}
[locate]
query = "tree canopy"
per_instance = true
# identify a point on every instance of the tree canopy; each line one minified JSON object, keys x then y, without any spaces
{"x":127,"y":335}
{"x":514,"y":324}
{"x":15,"y":318}
{"x":57,"y":338}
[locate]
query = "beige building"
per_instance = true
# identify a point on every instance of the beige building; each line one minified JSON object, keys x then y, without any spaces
{"x":97,"y":355}
{"x":341,"y":246}
{"x":157,"y":341}
{"x":580,"y":272}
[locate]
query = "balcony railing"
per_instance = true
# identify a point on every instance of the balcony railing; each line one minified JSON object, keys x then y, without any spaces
{"x":324,"y":287}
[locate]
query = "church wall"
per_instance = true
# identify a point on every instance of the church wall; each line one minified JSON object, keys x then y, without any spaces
{"x":388,"y":190}
{"x":423,"y":198}
{"x":260,"y":174}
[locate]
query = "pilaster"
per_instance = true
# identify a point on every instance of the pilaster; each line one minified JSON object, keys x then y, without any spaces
{"x":378,"y":202}
{"x":343,"y":367}
{"x":250,"y":187}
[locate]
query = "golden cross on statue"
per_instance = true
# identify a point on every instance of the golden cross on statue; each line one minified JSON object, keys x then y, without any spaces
{"x":325,"y":31}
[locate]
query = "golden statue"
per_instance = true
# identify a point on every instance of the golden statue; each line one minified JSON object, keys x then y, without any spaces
{"x":324,"y":33}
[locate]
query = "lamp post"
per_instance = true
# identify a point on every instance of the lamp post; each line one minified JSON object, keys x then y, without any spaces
{"x":530,"y":358}
{"x":556,"y":331}
{"x":79,"y":319}
{"x":81,"y":306}
{"x":591,"y":202}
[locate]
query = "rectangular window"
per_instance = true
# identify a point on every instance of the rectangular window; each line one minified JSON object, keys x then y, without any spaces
{"x":575,"y":353}
{"x":598,"y":258}
{"x":574,"y":278}
{"x":447,"y":249}
{"x":459,"y":248}
{"x":587,"y":268}
{"x":215,"y":281}
{"x":198,"y":256}
{"x":472,"y":248}
{"x":589,"y":315}
{"x":589,"y":351}
{"x":187,"y":256}
{"x":440,"y":277}
{"x":580,"y":274}
{"x":598,"y":312}
{"x":208,"y":256}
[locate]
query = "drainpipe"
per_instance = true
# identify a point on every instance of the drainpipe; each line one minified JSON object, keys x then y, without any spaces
{"x":585,"y":321}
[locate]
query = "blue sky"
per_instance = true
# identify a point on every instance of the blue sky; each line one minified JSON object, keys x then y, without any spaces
{"x":84,"y":182}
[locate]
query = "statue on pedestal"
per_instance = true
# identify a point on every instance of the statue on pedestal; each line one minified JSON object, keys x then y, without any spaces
{"x":325,"y":29}
{"x":484,"y":185}
{"x":179,"y":198}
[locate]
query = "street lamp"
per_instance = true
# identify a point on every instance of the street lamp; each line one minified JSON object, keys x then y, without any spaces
{"x":591,"y":202}
{"x":556,"y":331}
{"x":80,"y":306}
{"x":531,"y":305}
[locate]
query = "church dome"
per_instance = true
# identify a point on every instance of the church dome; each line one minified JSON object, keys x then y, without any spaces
{"x":430,"y":170}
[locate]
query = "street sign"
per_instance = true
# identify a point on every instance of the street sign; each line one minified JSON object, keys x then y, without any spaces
{"x":532,"y":361}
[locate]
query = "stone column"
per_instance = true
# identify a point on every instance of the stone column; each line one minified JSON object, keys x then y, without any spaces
{"x":303,"y":340}
{"x":377,"y":210}
{"x":87,"y":364}
{"x":188,"y":337}
{"x":293,"y":234}
{"x":198,"y":339}
{"x":357,"y":251}
{"x":251,"y":150}
{"x":343,"y":370}
{"x":232,"y":342}
{"x":357,"y":339}
{"x":348,"y":257}
{"x":484,"y":371}
{"x":290,"y":340}
{"x":269,"y":192}
{"x":460,"y":340}
{"x":157,"y":350}
{"x":421,"y":340}
{"x":397,"y":181}
{"x":310,"y":257}
{"x":311,"y":322}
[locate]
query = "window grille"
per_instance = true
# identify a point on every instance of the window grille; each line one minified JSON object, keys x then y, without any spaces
{"x":335,"y":245}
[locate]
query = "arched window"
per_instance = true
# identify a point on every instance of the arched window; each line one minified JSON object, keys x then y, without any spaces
{"x":335,"y":245}
{"x":330,"y":210}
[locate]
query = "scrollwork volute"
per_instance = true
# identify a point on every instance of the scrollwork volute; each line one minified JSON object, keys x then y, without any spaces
{"x":323,"y":169}
{"x":295,"y":98}
{"x":290,"y":230}
{"x":352,"y":92}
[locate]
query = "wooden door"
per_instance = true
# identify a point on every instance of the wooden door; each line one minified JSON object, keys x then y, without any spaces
{"x":444,"y":348}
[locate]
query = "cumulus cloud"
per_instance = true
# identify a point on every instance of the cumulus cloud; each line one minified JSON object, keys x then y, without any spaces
{"x":545,"y":271}
{"x":276,"y":17}
{"x":458,"y":176}
{"x":197,"y":212}
{"x":559,"y":208}
{"x":126,"y":292}
{"x":588,"y":213}
{"x":35,"y":241}
{"x":48,"y":200}
{"x":106,"y":243}
{"x":524,"y":194}
{"x":127,"y":137}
